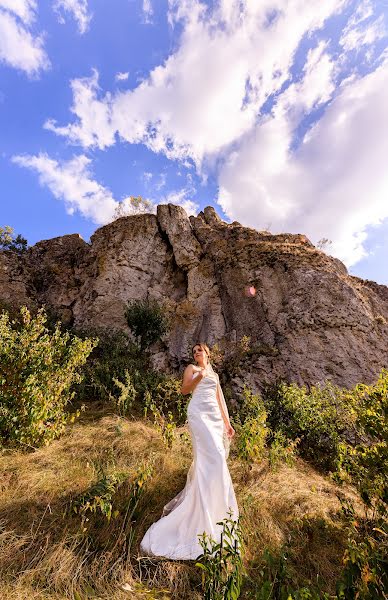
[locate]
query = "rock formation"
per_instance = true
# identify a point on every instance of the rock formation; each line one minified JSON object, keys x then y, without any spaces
{"x":307,"y":318}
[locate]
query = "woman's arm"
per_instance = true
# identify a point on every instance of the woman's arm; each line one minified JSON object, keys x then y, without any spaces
{"x":189,"y":383}
{"x":229,"y":429}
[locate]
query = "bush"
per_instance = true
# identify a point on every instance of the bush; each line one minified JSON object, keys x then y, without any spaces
{"x":320,"y":417}
{"x":164,"y":423}
{"x":37,"y":370}
{"x":221,"y":564}
{"x":114,"y":355}
{"x":251,"y":427}
{"x":99,"y":497}
{"x":365,"y":573}
{"x":147,"y":321}
{"x":282,"y":450}
{"x":168,"y":407}
{"x":365,"y":466}
{"x":112,"y":495}
{"x":168,"y":396}
{"x":277,"y":580}
{"x":125,"y":401}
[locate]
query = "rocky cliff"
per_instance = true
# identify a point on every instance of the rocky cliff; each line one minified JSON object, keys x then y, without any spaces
{"x":307,"y":318}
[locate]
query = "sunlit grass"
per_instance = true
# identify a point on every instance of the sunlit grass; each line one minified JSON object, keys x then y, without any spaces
{"x":43,"y":554}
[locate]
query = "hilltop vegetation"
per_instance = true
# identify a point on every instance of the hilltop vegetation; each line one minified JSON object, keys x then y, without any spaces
{"x":95,"y":444}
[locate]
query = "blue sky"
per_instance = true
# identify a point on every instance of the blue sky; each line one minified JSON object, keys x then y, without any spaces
{"x":274,"y":112}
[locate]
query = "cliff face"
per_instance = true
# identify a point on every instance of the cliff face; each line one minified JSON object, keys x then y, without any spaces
{"x":308,"y":319}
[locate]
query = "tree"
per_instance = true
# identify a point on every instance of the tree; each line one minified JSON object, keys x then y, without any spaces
{"x":147,"y":321}
{"x":324,"y":244}
{"x":133,"y":205}
{"x":8,"y":240}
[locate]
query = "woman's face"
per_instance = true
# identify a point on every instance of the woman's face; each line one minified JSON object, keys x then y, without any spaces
{"x":199,"y":354}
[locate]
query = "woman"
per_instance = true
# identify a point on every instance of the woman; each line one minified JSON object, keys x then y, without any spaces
{"x":208,"y":495}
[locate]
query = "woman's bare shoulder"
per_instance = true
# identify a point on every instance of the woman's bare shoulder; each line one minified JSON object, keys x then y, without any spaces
{"x":190,"y":369}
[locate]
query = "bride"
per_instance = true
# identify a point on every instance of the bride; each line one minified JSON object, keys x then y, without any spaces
{"x":208,"y":495}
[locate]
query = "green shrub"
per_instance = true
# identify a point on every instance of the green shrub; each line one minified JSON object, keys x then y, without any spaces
{"x":365,"y":573}
{"x":163,"y":421}
{"x":276,"y":580}
{"x":111,"y":358}
{"x":168,"y":407}
{"x":99,"y":497}
{"x":251,"y":427}
{"x":125,"y":401}
{"x":281,"y":450}
{"x":221,"y":564}
{"x":365,"y":466}
{"x":147,"y":321}
{"x":320,"y":417}
{"x":168,"y":396}
{"x":37,"y":370}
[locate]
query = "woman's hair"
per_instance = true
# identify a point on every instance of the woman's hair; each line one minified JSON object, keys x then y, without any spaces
{"x":203,"y":346}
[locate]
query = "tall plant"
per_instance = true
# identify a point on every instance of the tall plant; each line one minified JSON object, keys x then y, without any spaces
{"x":37,"y":369}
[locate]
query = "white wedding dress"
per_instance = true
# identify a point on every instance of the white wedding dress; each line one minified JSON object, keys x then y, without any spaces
{"x":208,"y":495}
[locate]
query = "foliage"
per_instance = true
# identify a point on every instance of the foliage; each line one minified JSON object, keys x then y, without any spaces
{"x":321,"y":417}
{"x":251,"y":427}
{"x":115,"y":356}
{"x":8,"y":240}
{"x":37,"y":370}
{"x":221,"y":563}
{"x":366,"y":466}
{"x":324,"y":244}
{"x":125,"y":401}
{"x":99,"y":497}
{"x":168,"y":407}
{"x":147,"y":321}
{"x":282,"y":450}
{"x":276,"y":580}
{"x":365,"y":574}
{"x":165,"y":424}
{"x":111,"y":358}
{"x":168,"y":396}
{"x":133,"y":205}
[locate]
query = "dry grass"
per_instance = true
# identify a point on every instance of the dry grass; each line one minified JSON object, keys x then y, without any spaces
{"x":45,"y":555}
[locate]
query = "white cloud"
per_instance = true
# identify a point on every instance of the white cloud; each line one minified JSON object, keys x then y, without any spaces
{"x":192,"y":106}
{"x":19,"y":48}
{"x":24,"y":9}
{"x":356,"y":37}
{"x":122,"y":76}
{"x":73,"y":182}
{"x":182,"y":198}
{"x":229,"y":99}
{"x":78,"y":9}
{"x":363,"y":11}
{"x":148,"y":11}
{"x":94,"y":115}
{"x":335,"y":185}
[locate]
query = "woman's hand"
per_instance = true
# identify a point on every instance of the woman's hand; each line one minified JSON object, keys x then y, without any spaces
{"x":202,"y":371}
{"x":230,"y":431}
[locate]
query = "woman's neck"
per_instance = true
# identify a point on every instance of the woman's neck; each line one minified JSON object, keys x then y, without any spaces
{"x":202,"y":365}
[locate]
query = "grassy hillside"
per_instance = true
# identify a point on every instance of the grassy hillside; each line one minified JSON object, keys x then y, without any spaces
{"x":47,"y":552}
{"x":78,"y":489}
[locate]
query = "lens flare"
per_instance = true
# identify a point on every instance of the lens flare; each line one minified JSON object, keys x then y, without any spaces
{"x":250,"y":291}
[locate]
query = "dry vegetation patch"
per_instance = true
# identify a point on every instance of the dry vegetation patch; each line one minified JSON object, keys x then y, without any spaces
{"x":44,"y":553}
